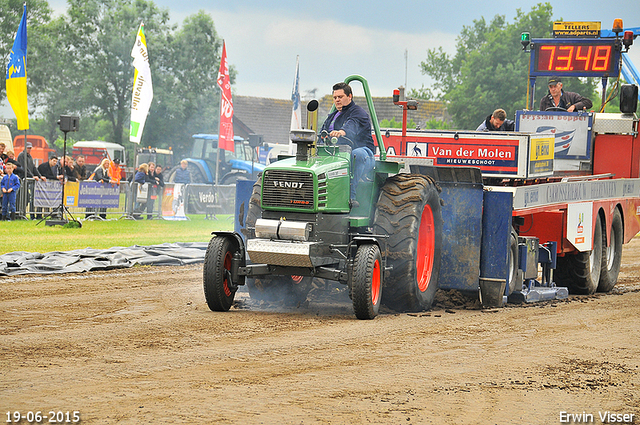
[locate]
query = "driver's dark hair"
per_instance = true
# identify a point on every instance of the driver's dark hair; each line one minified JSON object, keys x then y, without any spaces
{"x":343,"y":86}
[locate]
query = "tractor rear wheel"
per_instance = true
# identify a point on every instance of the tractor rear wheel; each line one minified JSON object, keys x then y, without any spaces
{"x":611,"y":255}
{"x":581,"y":272}
{"x":409,"y":211}
{"x":366,"y":282}
{"x":219,"y":291}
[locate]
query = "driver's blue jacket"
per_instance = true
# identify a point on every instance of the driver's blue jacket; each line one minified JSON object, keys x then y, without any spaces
{"x":355,"y":122}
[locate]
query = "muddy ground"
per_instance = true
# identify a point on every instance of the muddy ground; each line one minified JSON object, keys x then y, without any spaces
{"x":140,"y":346}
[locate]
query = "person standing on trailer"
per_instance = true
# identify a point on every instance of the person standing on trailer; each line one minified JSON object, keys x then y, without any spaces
{"x":497,"y":122}
{"x":557,"y":98}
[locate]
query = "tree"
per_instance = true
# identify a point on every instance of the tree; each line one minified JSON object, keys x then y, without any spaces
{"x":100,"y":36}
{"x":185,"y":72}
{"x":489,"y":69}
{"x":84,"y":67}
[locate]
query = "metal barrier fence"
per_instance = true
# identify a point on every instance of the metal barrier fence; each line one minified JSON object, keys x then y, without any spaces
{"x":98,"y":201}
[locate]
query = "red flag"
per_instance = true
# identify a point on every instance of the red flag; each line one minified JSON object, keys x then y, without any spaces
{"x":225,"y":134}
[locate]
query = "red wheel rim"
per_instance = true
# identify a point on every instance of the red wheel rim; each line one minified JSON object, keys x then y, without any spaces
{"x":426,"y":248}
{"x":375,"y":283}
{"x":297,"y":279}
{"x":227,"y":266}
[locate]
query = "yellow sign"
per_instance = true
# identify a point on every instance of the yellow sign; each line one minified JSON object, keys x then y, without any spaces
{"x":71,"y":190}
{"x":541,"y":155}
{"x":576,"y":29}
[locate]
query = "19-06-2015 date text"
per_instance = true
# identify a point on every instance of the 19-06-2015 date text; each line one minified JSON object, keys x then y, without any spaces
{"x":52,"y":417}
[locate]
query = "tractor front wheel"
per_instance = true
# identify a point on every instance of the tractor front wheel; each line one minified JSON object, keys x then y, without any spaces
{"x":219,"y":291}
{"x":366,"y":282}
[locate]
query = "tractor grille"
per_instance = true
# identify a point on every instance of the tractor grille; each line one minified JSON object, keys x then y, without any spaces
{"x":292,"y":189}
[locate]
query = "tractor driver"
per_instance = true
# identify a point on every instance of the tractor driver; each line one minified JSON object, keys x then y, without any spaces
{"x":352,"y":122}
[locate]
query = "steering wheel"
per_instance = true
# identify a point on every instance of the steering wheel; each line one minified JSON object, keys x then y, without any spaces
{"x":556,"y":109}
{"x":326,"y":139}
{"x":348,"y":141}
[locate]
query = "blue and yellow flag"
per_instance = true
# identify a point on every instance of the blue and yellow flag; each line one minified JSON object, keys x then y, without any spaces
{"x":17,"y":75}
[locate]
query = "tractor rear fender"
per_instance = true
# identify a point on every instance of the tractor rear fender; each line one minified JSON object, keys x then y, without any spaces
{"x":239,"y":257}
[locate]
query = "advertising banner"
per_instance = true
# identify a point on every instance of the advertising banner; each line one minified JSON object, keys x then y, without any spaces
{"x":496,"y":156}
{"x":98,"y":195}
{"x":173,"y":202}
{"x":47,"y":194}
{"x":201,"y":199}
{"x":569,"y":129}
{"x":71,"y":191}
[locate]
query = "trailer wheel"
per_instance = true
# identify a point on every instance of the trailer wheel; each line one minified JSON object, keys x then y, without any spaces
{"x":581,"y":272}
{"x":409,"y":212}
{"x":366,"y":282}
{"x":611,"y":255}
{"x":292,"y":290}
{"x":219,"y":291}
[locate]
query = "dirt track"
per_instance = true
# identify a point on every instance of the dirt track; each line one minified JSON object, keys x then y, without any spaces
{"x":140,"y":346}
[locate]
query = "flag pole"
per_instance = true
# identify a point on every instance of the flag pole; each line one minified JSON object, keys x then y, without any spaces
{"x":219,"y":120}
{"x":219,"y":133}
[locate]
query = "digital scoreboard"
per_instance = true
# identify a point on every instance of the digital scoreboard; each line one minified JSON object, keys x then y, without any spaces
{"x":575,"y":57}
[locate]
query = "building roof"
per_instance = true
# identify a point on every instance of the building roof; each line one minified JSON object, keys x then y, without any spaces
{"x":271,"y":118}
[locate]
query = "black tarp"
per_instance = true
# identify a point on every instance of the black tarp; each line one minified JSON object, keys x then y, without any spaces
{"x":88,"y":259}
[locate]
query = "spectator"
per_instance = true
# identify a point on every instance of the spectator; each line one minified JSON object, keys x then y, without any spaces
{"x":10,"y":184}
{"x":182,"y":174}
{"x":152,"y":194}
{"x":70,"y":170}
{"x":31,"y":170}
{"x":497,"y":122}
{"x":11,"y":159}
{"x":80,"y":168}
{"x":3,"y":154}
{"x":141,"y":177}
{"x":50,"y":169}
{"x":114,"y":171}
{"x":101,"y":175}
{"x":159,"y":178}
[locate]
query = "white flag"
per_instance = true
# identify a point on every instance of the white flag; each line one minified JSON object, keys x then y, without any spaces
{"x":296,"y":114}
{"x":142,"y":87}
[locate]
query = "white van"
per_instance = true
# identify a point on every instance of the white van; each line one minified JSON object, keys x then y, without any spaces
{"x":95,"y":150}
{"x":5,"y":137}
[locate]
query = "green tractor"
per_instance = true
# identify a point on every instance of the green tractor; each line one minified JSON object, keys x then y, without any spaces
{"x":301,"y":227}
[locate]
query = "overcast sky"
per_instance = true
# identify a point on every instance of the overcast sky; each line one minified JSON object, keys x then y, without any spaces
{"x":335,"y":39}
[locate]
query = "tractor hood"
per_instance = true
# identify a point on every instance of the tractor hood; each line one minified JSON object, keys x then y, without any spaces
{"x":318,"y":184}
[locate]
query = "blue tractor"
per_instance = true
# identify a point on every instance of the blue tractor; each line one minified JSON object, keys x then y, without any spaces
{"x":242,"y":164}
